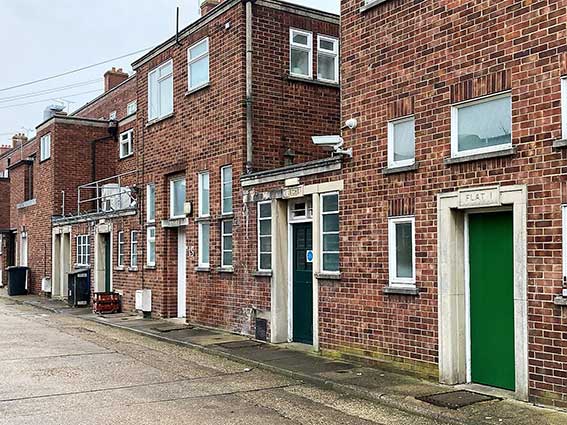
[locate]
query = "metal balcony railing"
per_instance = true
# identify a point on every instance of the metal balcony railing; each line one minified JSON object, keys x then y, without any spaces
{"x":106,"y":195}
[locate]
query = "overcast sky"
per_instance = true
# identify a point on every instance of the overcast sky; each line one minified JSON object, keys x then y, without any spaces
{"x":41,"y":38}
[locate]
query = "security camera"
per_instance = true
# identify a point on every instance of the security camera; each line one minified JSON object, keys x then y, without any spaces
{"x":333,"y":144}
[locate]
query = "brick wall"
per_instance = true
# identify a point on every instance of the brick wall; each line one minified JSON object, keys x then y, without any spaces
{"x":406,"y":57}
{"x":115,"y":99}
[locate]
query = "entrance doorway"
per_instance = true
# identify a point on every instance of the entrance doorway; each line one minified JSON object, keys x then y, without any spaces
{"x":490,"y":351}
{"x":181,"y":273}
{"x":302,"y":274}
{"x":24,"y":249}
{"x":103,"y":262}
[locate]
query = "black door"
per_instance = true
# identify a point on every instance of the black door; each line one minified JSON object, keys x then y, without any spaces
{"x":302,"y":284}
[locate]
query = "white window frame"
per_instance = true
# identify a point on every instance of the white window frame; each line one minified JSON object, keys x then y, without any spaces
{"x":564,"y":107}
{"x":149,"y":241}
{"x":455,"y":126}
{"x":45,"y":147}
{"x":150,"y":189}
{"x":120,"y":249}
{"x":197,"y":59}
{"x":392,"y":163}
{"x":202,"y":194}
{"x":132,"y":107}
{"x":323,"y":233}
{"x":83,"y":250}
{"x":112,"y":115}
{"x":324,"y":52}
{"x":172,"y":197}
{"x":126,"y":139}
{"x":134,"y":234}
{"x":223,"y":212}
{"x":271,"y":236}
{"x":223,"y":235}
{"x":308,"y":48}
{"x":158,"y":112}
{"x":564,"y":238}
{"x":203,"y":264}
{"x":394,"y":280}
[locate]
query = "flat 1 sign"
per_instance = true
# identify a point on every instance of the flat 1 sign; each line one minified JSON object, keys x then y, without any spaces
{"x":480,"y":197}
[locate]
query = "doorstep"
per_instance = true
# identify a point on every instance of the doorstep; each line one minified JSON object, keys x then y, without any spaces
{"x":388,"y":388}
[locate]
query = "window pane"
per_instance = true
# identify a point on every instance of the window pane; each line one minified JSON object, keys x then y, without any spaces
{"x":205,"y":230}
{"x":404,"y":140}
{"x":166,"y":69}
{"x":227,"y":227}
{"x":330,"y":203}
{"x":266,"y":227}
{"x":299,"y":62}
{"x":227,"y":259}
{"x":265,"y":261}
{"x":199,"y":72}
{"x":327,"y":67}
{"x":166,"y":96}
{"x":198,"y":50}
{"x":331,"y":223}
{"x":331,"y":262}
{"x":153,"y":95}
{"x":152,"y":252}
{"x":178,"y":198}
{"x":151,"y":202}
{"x":227,"y":243}
{"x":265,"y":210}
{"x":404,"y":250}
{"x":204,"y":194}
{"x":301,"y":39}
{"x":485,"y":124}
{"x":331,"y":242}
{"x":327,"y":45}
{"x":266,"y":244}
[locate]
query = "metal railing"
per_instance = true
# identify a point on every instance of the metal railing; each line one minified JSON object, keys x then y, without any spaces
{"x":106,"y":195}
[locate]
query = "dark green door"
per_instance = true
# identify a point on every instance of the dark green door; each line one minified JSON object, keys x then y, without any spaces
{"x":107,"y":262}
{"x":302,"y":284}
{"x":491,"y":281}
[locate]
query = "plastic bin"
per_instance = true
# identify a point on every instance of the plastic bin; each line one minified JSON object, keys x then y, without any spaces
{"x":17,"y":280}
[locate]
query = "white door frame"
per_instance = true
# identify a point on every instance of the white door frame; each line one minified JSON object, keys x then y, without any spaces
{"x":99,"y":272}
{"x":24,"y":245}
{"x":181,"y":273}
{"x":452,"y":314}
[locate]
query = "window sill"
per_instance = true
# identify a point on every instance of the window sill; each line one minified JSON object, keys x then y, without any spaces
{"x":225,"y":270}
{"x":397,"y":170}
{"x":41,"y":161}
{"x":259,"y":273}
{"x":401,"y":290}
{"x":371,"y":5}
{"x":197,"y":89}
{"x":558,"y":144}
{"x":328,"y":276}
{"x":202,"y":269}
{"x":478,"y":157}
{"x":174,"y":222}
{"x":206,"y":219}
{"x":132,"y":269}
{"x":158,"y":120}
{"x":149,"y":267}
{"x":227,"y":216}
{"x":307,"y":80}
{"x":126,"y":157}
{"x":26,"y":204}
{"x":119,"y":269}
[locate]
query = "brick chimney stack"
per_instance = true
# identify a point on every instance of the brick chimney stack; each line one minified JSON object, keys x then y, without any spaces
{"x":114,"y":77}
{"x":208,"y":5}
{"x":19,"y":139}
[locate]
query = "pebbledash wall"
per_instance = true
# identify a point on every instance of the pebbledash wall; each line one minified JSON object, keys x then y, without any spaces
{"x":418,"y":60}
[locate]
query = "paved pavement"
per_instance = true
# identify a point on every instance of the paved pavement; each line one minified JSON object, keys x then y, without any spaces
{"x":75,"y":368}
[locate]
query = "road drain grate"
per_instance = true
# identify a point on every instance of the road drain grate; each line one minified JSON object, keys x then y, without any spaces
{"x":456,"y":399}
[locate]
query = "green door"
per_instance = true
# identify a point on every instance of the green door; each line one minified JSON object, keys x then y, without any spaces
{"x":491,"y":281}
{"x":302,"y":284}
{"x":107,"y":262}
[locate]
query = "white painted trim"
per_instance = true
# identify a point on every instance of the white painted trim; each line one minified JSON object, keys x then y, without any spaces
{"x":564,"y":238}
{"x":394,"y":279}
{"x":564,"y":107}
{"x":120,"y":243}
{"x":298,"y":46}
{"x":181,"y":273}
{"x":106,"y":229}
{"x":320,"y":250}
{"x":324,"y":52}
{"x":201,"y":263}
{"x":159,"y":113}
{"x":45,"y":147}
{"x":467,"y":300}
{"x":258,"y":241}
{"x":128,"y":141}
{"x":196,"y":59}
{"x":148,"y":240}
{"x":392,"y":163}
{"x":172,"y":182}
{"x":149,"y":187}
{"x":223,"y":212}
{"x":200,"y":184}
{"x":455,"y":153}
{"x":223,"y":235}
{"x":134,"y":249}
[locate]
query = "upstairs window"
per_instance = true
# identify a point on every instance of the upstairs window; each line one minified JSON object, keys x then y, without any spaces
{"x":482,"y":126}
{"x":401,"y":247}
{"x":132,"y":108}
{"x":151,"y":203}
{"x":328,"y":59}
{"x":134,"y":249}
{"x":564,"y":106}
{"x":226,"y":244}
{"x":301,"y":53}
{"x":160,"y":91}
{"x":112,"y":115}
{"x":226,"y":181}
{"x":126,"y":144}
{"x":204,"y":207}
{"x":401,"y":142}
{"x":198,"y":57}
{"x":151,"y":246}
{"x":120,"y":249}
{"x":330,"y":232}
{"x":265,"y":236}
{"x":177,"y":198}
{"x":45,"y":147}
{"x":83,"y":250}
